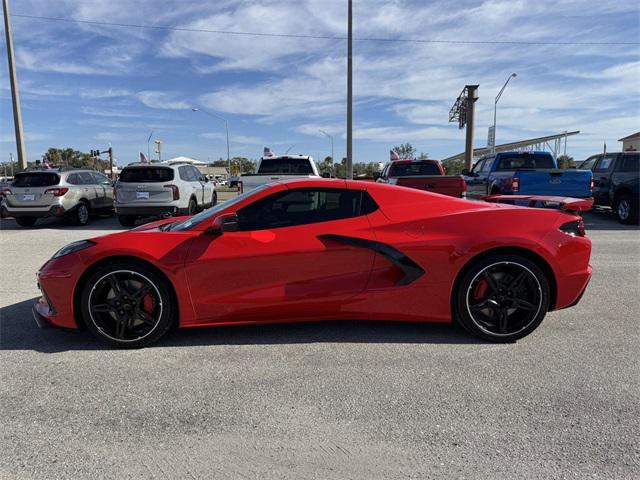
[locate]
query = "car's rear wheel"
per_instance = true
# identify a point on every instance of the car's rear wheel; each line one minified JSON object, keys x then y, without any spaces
{"x":502,"y":298}
{"x":81,"y":214}
{"x":126,"y":220}
{"x":127,"y":305}
{"x":193,"y":207}
{"x":26,"y":221}
{"x":214,"y":199}
{"x":626,"y":209}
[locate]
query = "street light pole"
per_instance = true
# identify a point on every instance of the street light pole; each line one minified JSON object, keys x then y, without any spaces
{"x":330,"y":138}
{"x":349,"y":165}
{"x":495,"y":109}
{"x":226,"y":127}
{"x":15,"y":94}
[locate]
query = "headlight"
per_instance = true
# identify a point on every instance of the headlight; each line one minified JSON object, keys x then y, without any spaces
{"x":73,"y":247}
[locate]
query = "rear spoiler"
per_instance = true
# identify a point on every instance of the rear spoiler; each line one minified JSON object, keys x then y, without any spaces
{"x":566,"y":204}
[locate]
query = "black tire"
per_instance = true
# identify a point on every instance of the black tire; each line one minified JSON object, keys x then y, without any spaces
{"x":214,"y":199}
{"x":81,"y":214}
{"x":511,"y":304}
{"x":126,"y":220}
{"x":26,"y":221}
{"x":626,"y":209}
{"x":193,"y":207}
{"x":127,"y":305}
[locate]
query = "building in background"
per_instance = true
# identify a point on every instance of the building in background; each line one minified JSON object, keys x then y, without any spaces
{"x":631,"y":143}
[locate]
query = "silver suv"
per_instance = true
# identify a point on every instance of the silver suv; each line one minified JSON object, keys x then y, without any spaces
{"x":160,"y":189}
{"x":66,"y":192}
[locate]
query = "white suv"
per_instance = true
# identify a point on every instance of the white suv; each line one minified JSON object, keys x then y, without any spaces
{"x":159,"y":189}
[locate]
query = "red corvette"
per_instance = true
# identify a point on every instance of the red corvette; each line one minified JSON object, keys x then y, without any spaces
{"x":312,"y":250}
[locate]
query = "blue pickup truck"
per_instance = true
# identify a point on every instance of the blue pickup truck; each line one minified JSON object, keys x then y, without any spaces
{"x":526,"y":173}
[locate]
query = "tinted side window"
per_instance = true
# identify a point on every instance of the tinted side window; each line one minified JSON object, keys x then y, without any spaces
{"x":74,"y":179}
{"x":185,"y":173}
{"x":146,"y":174}
{"x":589,"y":163}
{"x":478,"y":166}
{"x":300,"y":207}
{"x":197,"y":176}
{"x":630,"y":162}
{"x":604,"y":164}
{"x":86,"y":178}
{"x":101,"y":179}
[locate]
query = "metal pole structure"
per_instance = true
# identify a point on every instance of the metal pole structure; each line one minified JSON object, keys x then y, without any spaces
{"x":349,"y":165}
{"x":226,"y":127}
{"x":472,"y":96}
{"x":149,"y":147}
{"x":330,"y":137}
{"x":495,"y":108}
{"x":15,"y":94}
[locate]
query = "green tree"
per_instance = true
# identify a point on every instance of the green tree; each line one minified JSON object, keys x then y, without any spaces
{"x":405,"y":150}
{"x":453,"y":167}
{"x":69,"y":157}
{"x":565,"y":161}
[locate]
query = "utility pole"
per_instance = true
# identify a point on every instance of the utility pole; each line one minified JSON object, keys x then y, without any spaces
{"x":15,"y":94}
{"x":495,"y":110}
{"x":113,"y":175}
{"x":330,"y":137}
{"x":148,"y":147}
{"x":472,"y":97}
{"x":349,"y":165}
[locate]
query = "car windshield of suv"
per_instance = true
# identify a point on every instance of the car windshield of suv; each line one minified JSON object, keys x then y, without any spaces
{"x":514,"y":162}
{"x":36,"y":179}
{"x":298,"y":166}
{"x":414,"y":169}
{"x":146,"y":174}
{"x":209,"y":213}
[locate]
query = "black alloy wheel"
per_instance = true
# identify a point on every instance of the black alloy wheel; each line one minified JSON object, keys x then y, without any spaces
{"x":127,"y":305}
{"x":503,"y":298}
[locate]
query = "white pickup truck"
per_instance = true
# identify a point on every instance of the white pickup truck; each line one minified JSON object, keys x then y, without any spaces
{"x":281,"y":167}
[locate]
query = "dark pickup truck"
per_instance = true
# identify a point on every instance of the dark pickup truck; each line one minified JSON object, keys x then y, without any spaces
{"x":615,"y":183}
{"x":423,"y":175}
{"x":525,"y":173}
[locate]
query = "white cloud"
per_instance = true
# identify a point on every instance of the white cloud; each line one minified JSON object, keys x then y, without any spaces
{"x":163,"y":100}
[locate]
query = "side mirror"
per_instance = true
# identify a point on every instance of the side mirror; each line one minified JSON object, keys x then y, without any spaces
{"x":376,"y":175}
{"x":224,"y":223}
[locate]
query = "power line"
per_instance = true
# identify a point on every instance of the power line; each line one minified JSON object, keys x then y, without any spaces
{"x":316,"y":37}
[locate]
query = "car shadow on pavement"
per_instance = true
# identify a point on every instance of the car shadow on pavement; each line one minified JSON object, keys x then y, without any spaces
{"x":96,"y":223}
{"x":18,"y":331}
{"x":604,"y":219}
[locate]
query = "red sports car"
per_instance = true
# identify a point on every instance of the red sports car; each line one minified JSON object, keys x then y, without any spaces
{"x":311,"y":250}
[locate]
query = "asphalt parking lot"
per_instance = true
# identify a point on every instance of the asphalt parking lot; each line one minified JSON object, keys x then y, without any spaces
{"x":326,"y":400}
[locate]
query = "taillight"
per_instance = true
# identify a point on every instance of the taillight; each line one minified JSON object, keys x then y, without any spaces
{"x":175,"y":190}
{"x":591,"y":185}
{"x":56,"y":192}
{"x":575,"y":228}
{"x":6,"y":191}
{"x":515,"y":184}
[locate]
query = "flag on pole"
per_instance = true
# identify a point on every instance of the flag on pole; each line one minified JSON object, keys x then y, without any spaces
{"x":267,"y":152}
{"x":393,"y":156}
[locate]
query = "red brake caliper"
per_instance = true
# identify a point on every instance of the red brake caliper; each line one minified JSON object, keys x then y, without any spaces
{"x":148,"y":303}
{"x":480,"y":290}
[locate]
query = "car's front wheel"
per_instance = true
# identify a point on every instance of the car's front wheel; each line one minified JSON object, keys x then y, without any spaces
{"x":502,"y":298}
{"x":127,"y":305}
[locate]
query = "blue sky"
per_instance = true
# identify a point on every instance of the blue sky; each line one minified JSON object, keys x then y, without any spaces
{"x":88,"y":86}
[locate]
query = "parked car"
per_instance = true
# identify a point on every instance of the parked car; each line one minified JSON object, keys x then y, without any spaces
{"x":526,"y":173}
{"x":423,"y":175}
{"x":318,"y":250}
{"x":616,"y":177}
{"x":145,"y":190}
{"x":283,"y":167}
{"x":65,"y":192}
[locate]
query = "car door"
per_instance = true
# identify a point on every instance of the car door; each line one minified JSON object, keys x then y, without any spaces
{"x":198,"y":177}
{"x":90,"y":189}
{"x":477,"y":182}
{"x":602,"y":171}
{"x":104,"y":190}
{"x":278,"y":265}
{"x":626,"y":173}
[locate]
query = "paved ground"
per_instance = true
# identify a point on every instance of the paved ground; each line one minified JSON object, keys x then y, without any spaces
{"x":332,"y":400}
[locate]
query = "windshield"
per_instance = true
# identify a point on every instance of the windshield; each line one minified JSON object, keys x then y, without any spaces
{"x":209,"y":213}
{"x":299,"y":166}
{"x":146,"y":175}
{"x":414,"y":169}
{"x":36,"y":179}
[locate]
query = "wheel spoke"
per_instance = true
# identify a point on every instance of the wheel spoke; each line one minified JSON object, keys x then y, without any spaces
{"x":141,"y":292}
{"x":524,"y":305}
{"x":145,"y":317}
{"x":491,"y":281}
{"x":121,"y":327}
{"x":517,"y":281}
{"x":103,"y":308}
{"x":502,"y":319}
{"x":114,"y":284}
